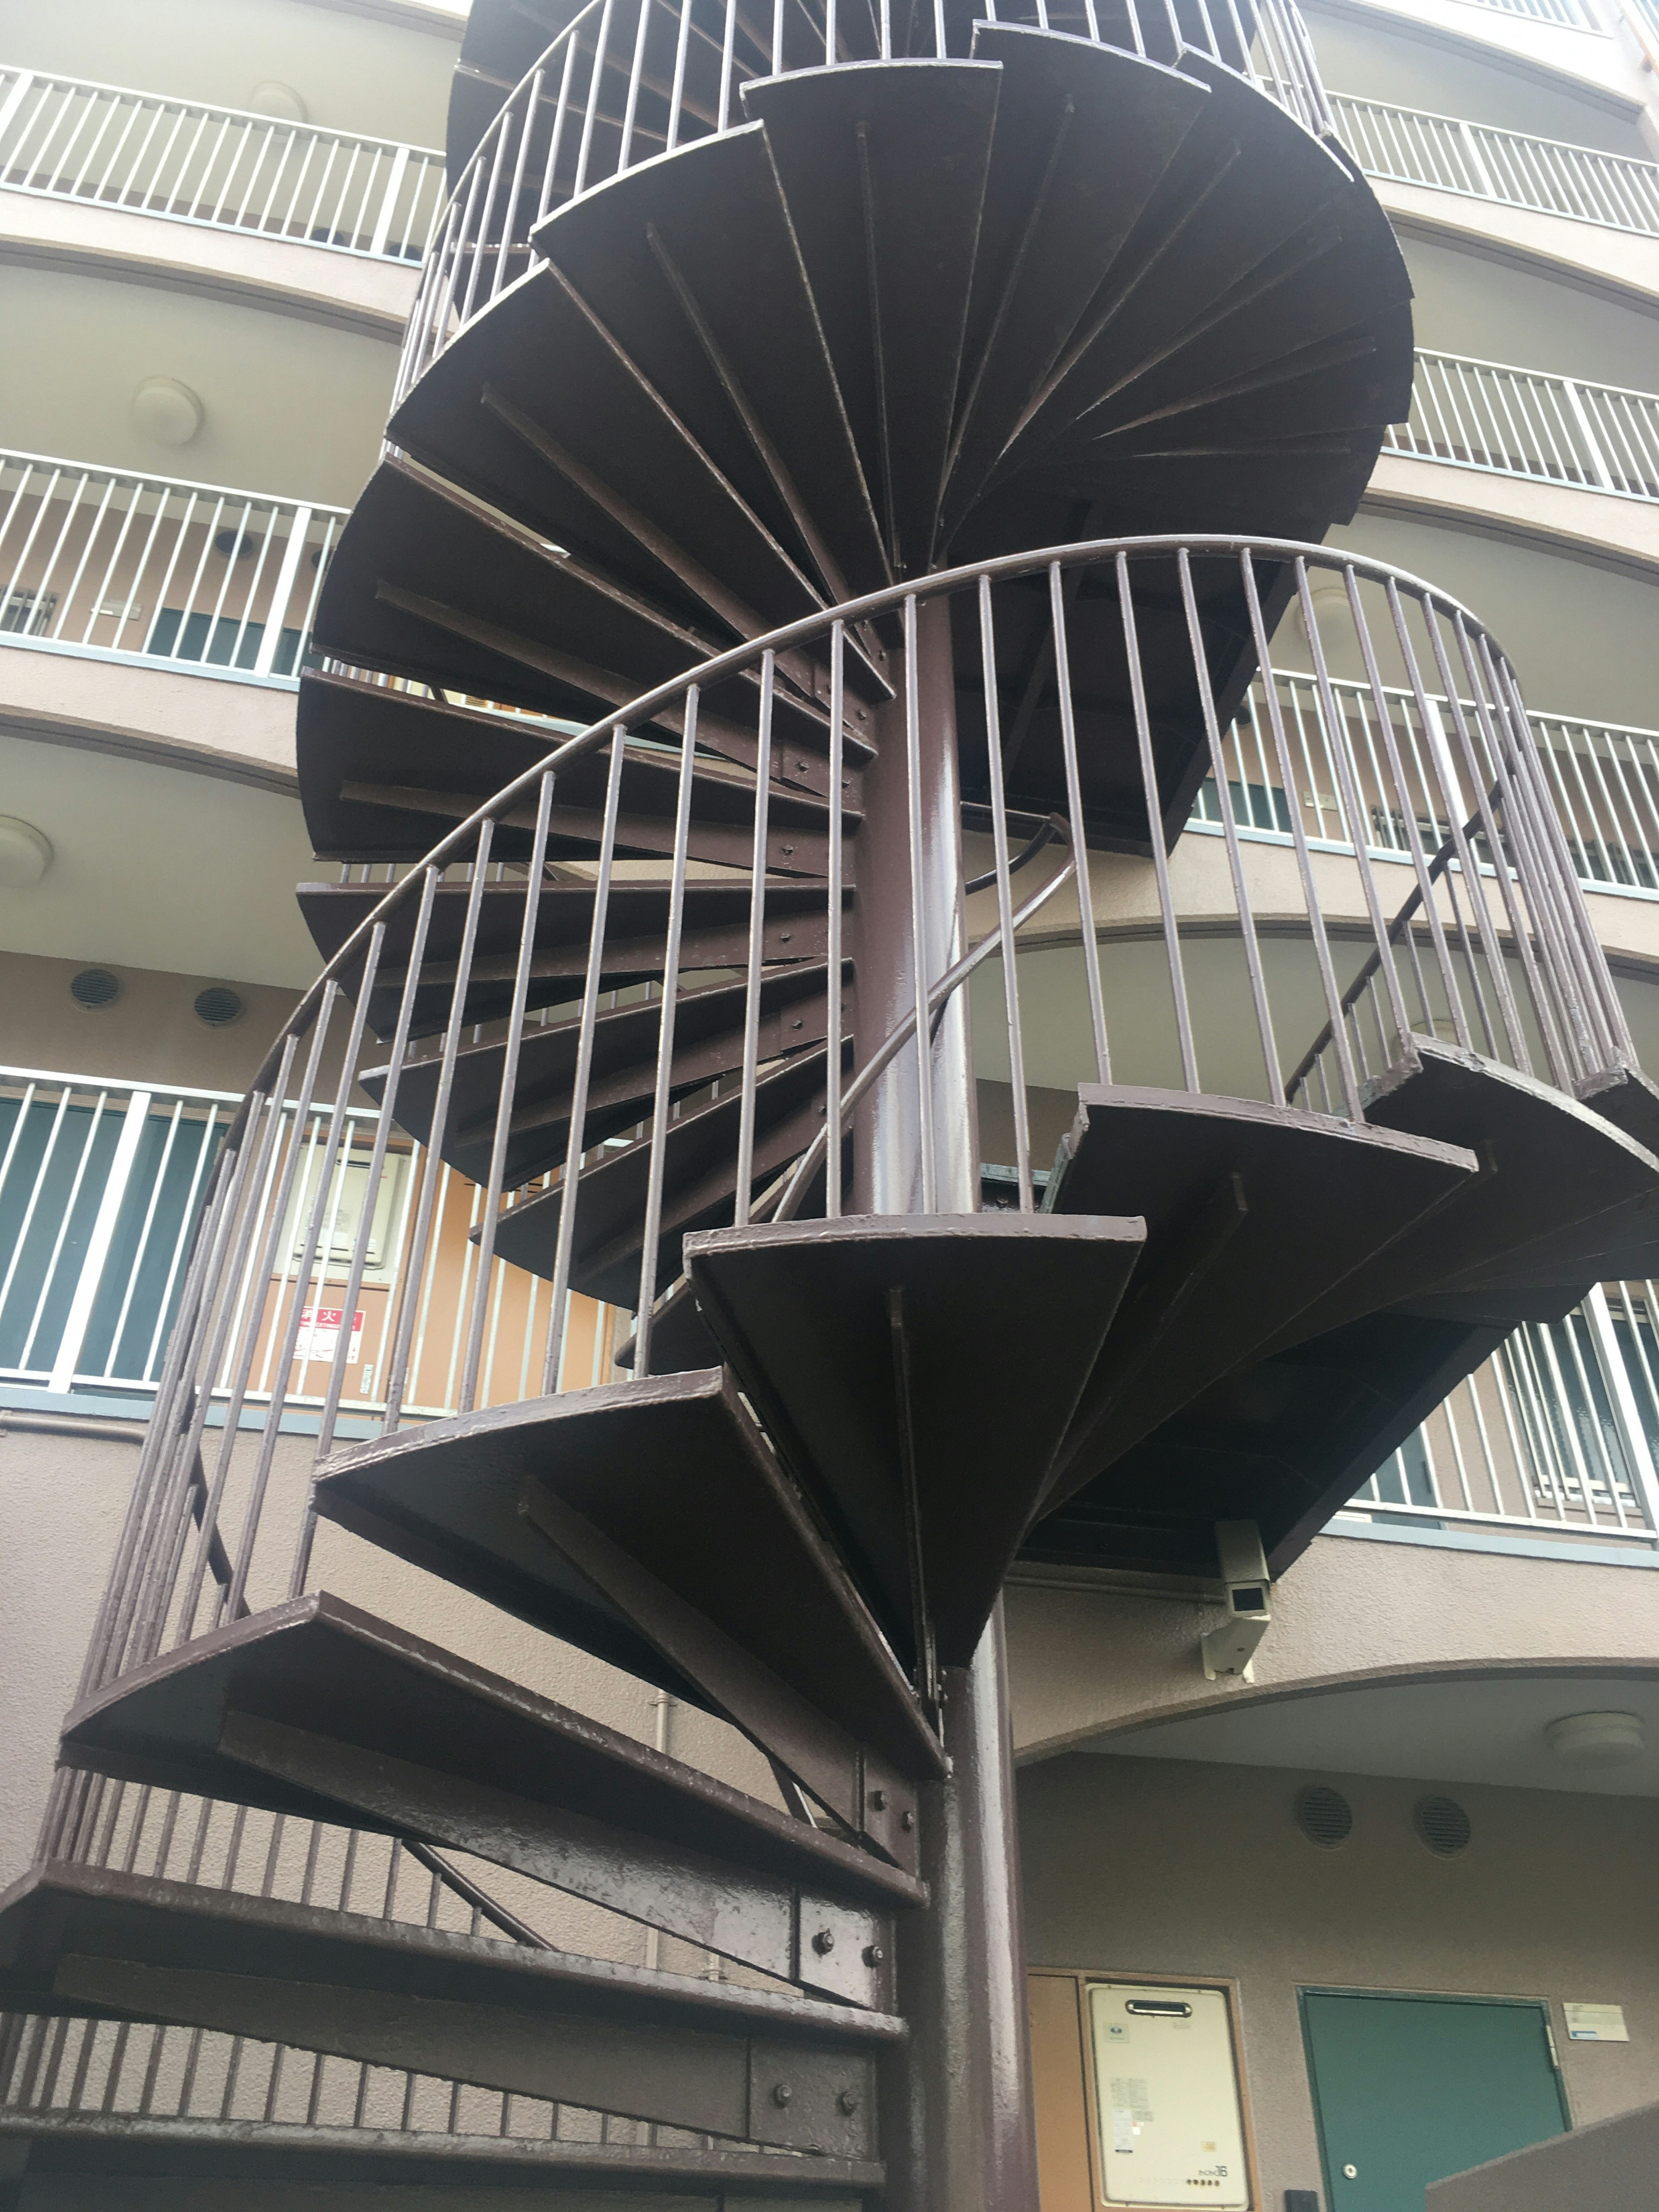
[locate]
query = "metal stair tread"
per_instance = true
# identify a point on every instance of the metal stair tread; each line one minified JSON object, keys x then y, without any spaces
{"x":1257,"y":1216}
{"x":1005,"y":1314}
{"x":673,"y":1470}
{"x":130,"y":2149}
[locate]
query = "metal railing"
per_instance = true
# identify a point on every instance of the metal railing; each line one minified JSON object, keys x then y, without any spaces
{"x":1570,"y":14}
{"x":1604,"y":778}
{"x":108,"y":146}
{"x":1522,"y":423}
{"x":112,"y":561}
{"x":1556,"y":1436}
{"x":101,"y":1186}
{"x":629,"y":79}
{"x":1411,"y":146}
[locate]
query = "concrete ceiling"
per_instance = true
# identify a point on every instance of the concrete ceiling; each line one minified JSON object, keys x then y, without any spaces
{"x":291,"y":406}
{"x":155,"y":868}
{"x":1438,"y":1728}
{"x":352,"y":72}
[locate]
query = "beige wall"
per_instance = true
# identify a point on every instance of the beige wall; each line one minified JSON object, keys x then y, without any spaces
{"x":1173,"y":1868}
{"x":151,"y":1033}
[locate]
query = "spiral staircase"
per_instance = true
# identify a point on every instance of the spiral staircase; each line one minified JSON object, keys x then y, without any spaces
{"x":692,"y":448}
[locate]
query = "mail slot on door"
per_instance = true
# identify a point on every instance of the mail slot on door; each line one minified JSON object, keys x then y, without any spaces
{"x":1172,"y":2130}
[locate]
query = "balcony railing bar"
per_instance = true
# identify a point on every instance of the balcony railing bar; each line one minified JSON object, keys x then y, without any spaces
{"x":110,"y":145}
{"x":1414,"y":146}
{"x":1568,"y":15}
{"x":216,"y":577}
{"x":1525,"y":423}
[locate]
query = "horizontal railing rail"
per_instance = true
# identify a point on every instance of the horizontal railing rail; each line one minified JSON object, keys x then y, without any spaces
{"x":154,"y":568}
{"x":1570,"y":15}
{"x":107,"y":145}
{"x":1524,"y":422}
{"x":1413,"y":146}
{"x":1556,"y":1436}
{"x":625,"y":80}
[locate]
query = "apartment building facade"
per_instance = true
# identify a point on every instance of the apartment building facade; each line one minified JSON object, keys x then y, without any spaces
{"x":1389,"y":1890}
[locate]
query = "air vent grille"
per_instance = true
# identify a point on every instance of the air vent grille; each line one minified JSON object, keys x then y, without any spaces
{"x":95,"y":986}
{"x":1442,"y":1825}
{"x":218,"y":1007}
{"x":1324,"y":1816}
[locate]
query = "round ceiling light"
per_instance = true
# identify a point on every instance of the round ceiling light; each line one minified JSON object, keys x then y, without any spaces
{"x":1595,"y":1739}
{"x":271,"y":97}
{"x":25,"y":854}
{"x":166,"y":410}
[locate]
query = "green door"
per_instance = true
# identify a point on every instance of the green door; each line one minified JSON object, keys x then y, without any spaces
{"x":1410,"y":2089}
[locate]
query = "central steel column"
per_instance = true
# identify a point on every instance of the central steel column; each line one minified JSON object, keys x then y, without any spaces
{"x":957,"y":2126}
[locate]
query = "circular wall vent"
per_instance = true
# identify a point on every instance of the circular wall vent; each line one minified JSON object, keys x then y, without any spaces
{"x":231,"y":545}
{"x":95,"y":986}
{"x":218,"y":1007}
{"x":1324,"y":1816}
{"x":1442,"y":1825}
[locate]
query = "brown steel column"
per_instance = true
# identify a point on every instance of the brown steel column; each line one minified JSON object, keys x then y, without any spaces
{"x":957,"y":2127}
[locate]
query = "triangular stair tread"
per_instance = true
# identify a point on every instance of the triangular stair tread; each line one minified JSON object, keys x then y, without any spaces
{"x":716,"y":935}
{"x":708,"y":1044}
{"x":1565,"y":1188}
{"x":882,"y":166}
{"x":689,"y":244}
{"x":700,"y":1154}
{"x":128,"y":2152}
{"x":92,"y":1941}
{"x":1003,"y":1316}
{"x":320,"y":1711}
{"x":1627,"y":1099}
{"x":320,"y":1664}
{"x":1255,"y":1215}
{"x":673,"y":1471}
{"x":1283,"y":1441}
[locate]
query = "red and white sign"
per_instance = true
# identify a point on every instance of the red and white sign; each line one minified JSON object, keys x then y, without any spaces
{"x":320,"y":1335}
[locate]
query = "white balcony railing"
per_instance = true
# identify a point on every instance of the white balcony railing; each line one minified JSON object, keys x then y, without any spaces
{"x":1411,"y":146}
{"x":1572,"y":14}
{"x":1521,"y":423}
{"x":1605,"y":779}
{"x":101,"y":1184}
{"x":1556,"y":1436}
{"x":106,"y":560}
{"x":106,"y":146}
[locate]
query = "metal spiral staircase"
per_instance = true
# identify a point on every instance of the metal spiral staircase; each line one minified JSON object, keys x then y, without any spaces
{"x":685,"y":658}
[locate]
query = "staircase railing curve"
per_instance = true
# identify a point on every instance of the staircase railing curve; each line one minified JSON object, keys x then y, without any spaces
{"x":627,"y":80}
{"x":658,"y":1002}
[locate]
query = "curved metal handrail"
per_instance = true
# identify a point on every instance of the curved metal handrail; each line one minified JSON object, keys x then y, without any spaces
{"x":628,"y":80}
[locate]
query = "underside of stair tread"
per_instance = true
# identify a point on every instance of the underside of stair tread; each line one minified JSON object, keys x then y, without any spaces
{"x":385,"y":774}
{"x":1282,"y":1441}
{"x":716,"y":935}
{"x":700,"y":1155}
{"x":673,"y":1470}
{"x":1257,"y":1215}
{"x":1003,"y":1316}
{"x":707,"y":1046}
{"x":130,"y":2151}
{"x":93,"y":1943}
{"x":691,"y":262}
{"x":321,"y":1666}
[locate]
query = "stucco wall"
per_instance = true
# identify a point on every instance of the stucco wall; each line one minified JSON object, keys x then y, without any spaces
{"x":1174,"y":1869}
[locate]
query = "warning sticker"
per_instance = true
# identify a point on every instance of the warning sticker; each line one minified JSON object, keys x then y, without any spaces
{"x":320,"y":1333}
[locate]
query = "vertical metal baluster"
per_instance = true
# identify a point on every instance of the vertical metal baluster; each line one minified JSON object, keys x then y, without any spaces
{"x":1086,"y":899}
{"x":1229,"y":827}
{"x":631,"y":106}
{"x":595,"y":82}
{"x":535,"y":877}
{"x":1166,"y":904}
{"x":677,"y":96}
{"x":1339,"y":1034}
{"x":661,"y":1097}
{"x":1004,"y":902}
{"x":747,"y":1106}
{"x":510,"y":219}
{"x":397,"y":1377}
{"x":833,"y":920}
{"x":576,"y":1144}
